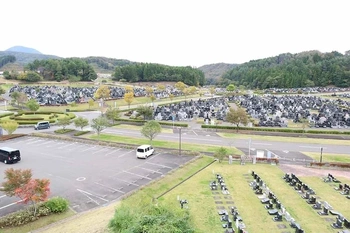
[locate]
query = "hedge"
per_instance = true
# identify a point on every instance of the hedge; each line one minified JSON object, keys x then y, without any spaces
{"x":282,"y":130}
{"x":6,"y":114}
{"x":144,"y":121}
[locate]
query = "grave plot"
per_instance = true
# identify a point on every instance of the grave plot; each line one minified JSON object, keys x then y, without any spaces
{"x":271,"y":203}
{"x":223,"y":200}
{"x":323,"y":208}
{"x":307,"y":90}
{"x":276,"y":111}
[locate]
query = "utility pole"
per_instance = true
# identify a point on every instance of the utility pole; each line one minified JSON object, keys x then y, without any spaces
{"x":179,"y":141}
{"x":321,"y":155}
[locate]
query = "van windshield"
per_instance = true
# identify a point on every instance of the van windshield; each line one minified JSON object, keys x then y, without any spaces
{"x":140,"y":150}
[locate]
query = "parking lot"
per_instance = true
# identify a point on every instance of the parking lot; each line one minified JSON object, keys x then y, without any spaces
{"x":87,"y":175}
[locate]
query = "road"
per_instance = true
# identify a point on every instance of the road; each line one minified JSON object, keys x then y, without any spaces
{"x":199,"y":136}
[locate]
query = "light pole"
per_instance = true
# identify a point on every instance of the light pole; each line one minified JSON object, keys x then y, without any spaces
{"x":179,"y":140}
{"x":321,"y":155}
{"x":250,"y":141}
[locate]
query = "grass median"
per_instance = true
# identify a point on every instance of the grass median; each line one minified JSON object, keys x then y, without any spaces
{"x":329,"y":157}
{"x":162,"y":144}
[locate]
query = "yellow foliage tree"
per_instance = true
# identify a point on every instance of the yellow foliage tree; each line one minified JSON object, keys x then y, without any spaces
{"x":160,"y":87}
{"x":129,"y":98}
{"x":129,"y":88}
{"x":180,"y":86}
{"x":9,"y":126}
{"x":149,"y":91}
{"x":103,"y":92}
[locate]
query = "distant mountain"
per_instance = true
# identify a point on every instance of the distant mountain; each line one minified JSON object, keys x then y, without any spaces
{"x":22,"y":49}
{"x":23,"y":59}
{"x":213,"y":72}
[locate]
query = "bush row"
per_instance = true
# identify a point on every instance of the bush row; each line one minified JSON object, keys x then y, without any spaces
{"x":79,"y":133}
{"x":53,"y":205}
{"x":281,"y":130}
{"x":144,"y":121}
{"x":26,"y":119}
{"x":27,"y":122}
{"x":334,"y":164}
{"x":6,"y":114}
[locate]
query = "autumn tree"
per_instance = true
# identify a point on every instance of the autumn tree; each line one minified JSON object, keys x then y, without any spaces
{"x":103,"y":92}
{"x":129,"y":98}
{"x":237,"y":116}
{"x":152,"y":98}
{"x":81,"y":122}
{"x":151,"y":129}
{"x":149,"y":91}
{"x":9,"y":126}
{"x":212,"y":90}
{"x":180,"y":86}
{"x":99,"y":124}
{"x":19,"y":183}
{"x":112,"y":114}
{"x":33,"y":105}
{"x":129,"y":88}
{"x":171,"y":97}
{"x":160,"y":87}
{"x":186,"y":92}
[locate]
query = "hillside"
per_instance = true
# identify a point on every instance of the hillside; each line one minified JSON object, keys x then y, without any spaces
{"x":213,"y":72}
{"x":22,"y":49}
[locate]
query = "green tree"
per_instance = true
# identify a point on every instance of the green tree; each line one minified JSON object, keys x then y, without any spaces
{"x":151,"y":129}
{"x":2,"y":90}
{"x":99,"y":124}
{"x":33,"y":105}
{"x":81,"y":122}
{"x":64,"y":122}
{"x":9,"y":126}
{"x":91,"y":103}
{"x":112,"y":114}
{"x":15,"y":96}
{"x":129,"y":98}
{"x":152,"y":98}
{"x":220,"y":153}
{"x":145,"y":111}
{"x":237,"y":116}
{"x":230,"y":88}
{"x":171,"y":97}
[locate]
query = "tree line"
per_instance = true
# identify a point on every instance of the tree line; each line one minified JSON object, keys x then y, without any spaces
{"x":107,"y":63}
{"x":55,"y":70}
{"x":6,"y":59}
{"x":151,"y":72}
{"x":288,"y":70}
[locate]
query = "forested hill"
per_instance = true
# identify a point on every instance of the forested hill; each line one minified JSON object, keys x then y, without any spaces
{"x":213,"y":72}
{"x":311,"y":68}
{"x":106,"y":65}
{"x":25,"y":58}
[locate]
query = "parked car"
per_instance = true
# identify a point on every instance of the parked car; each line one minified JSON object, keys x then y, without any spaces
{"x":9,"y":155}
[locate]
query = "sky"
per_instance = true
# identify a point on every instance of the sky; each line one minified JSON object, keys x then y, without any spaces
{"x":176,"y":32}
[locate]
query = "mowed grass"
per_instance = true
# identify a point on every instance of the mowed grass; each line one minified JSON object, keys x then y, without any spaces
{"x":328,"y":157}
{"x":138,"y":128}
{"x":44,"y":221}
{"x":202,"y":206}
{"x":161,"y":144}
{"x":300,"y":139}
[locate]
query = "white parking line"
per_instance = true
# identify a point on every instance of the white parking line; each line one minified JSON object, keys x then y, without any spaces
{"x":87,"y":194}
{"x":151,"y":170}
{"x":33,"y":142}
{"x":2,"y":196}
{"x":125,"y":154}
{"x":89,"y":148}
{"x":112,"y":152}
{"x":160,"y":165}
{"x":98,"y":151}
{"x":314,"y":147}
{"x":138,"y":175}
{"x":113,"y":189}
{"x":67,"y":145}
{"x":127,"y":182}
{"x":264,"y":144}
{"x":3,"y":207}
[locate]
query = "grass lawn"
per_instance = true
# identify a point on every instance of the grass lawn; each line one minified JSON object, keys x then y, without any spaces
{"x":284,"y":139}
{"x":44,"y":221}
{"x":161,"y":144}
{"x":328,"y":157}
{"x":201,"y":199}
{"x":138,"y":128}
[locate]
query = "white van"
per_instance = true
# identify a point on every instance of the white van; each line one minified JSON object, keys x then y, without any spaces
{"x":144,"y":151}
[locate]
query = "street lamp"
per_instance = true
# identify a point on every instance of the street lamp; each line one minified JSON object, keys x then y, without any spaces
{"x":179,"y":140}
{"x":321,"y":155}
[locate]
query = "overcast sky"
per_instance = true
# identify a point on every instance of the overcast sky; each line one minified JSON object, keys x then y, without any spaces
{"x":176,"y":32}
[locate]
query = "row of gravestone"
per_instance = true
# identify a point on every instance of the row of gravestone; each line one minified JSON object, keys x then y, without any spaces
{"x":307,"y":90}
{"x":61,"y":95}
{"x":223,"y":213}
{"x":277,"y":110}
{"x":306,"y":193}
{"x":269,"y":199}
{"x":344,"y":189}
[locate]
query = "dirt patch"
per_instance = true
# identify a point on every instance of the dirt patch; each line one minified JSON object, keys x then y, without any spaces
{"x":300,"y":170}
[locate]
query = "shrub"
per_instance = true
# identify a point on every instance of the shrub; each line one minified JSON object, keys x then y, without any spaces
{"x":63,"y":131}
{"x":81,"y":133}
{"x":57,"y":204}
